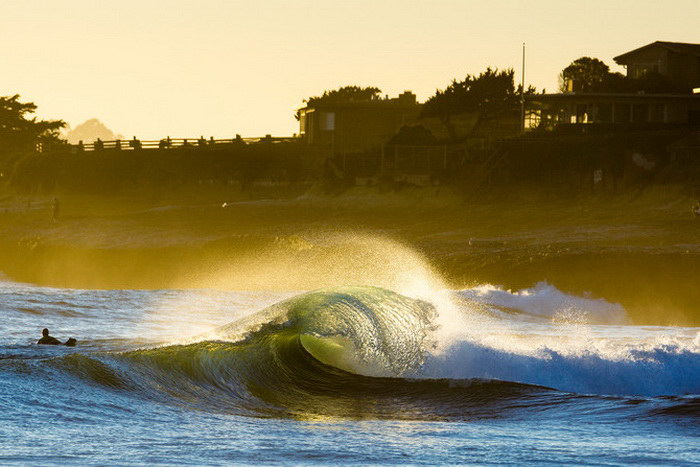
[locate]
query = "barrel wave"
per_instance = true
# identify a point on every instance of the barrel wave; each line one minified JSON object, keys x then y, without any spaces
{"x":335,"y":352}
{"x":368,"y":352}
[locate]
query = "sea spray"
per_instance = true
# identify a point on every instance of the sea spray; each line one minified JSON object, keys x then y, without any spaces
{"x":544,"y":336}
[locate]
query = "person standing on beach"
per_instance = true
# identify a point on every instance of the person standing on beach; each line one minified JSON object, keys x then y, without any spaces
{"x":56,"y":209}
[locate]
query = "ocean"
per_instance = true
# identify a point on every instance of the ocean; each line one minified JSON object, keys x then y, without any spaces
{"x":342,"y":375}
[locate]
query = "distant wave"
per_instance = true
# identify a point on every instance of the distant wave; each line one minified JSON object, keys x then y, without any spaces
{"x":547,"y":301}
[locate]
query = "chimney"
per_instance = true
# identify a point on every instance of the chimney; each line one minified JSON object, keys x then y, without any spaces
{"x":407,"y":97}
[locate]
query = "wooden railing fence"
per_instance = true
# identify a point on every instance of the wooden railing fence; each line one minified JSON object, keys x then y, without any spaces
{"x":169,"y":143}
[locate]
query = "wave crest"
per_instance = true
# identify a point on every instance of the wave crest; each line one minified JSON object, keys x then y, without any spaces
{"x":365,"y":330}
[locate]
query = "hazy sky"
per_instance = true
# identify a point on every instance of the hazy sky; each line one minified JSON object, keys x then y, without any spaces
{"x":220,"y":67}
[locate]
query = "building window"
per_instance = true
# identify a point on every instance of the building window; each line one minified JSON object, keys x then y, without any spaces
{"x":605,"y":113}
{"x":622,"y":113}
{"x":533,"y":118}
{"x":328,"y":121}
{"x":581,"y":113}
{"x":643,"y":69}
{"x":657,"y":113}
{"x":302,"y":122}
{"x":640,"y":113}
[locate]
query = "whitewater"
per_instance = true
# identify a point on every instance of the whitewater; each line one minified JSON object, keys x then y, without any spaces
{"x":347,"y":374}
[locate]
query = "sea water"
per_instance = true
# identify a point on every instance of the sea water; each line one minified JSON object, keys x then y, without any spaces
{"x":494,"y":376}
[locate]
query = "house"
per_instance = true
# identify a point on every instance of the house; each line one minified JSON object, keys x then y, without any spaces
{"x":355,"y":126}
{"x":677,"y":61}
{"x":678,"y":64}
{"x":614,"y":109}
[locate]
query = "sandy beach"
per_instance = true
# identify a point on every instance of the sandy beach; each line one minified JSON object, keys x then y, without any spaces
{"x":215,"y":240}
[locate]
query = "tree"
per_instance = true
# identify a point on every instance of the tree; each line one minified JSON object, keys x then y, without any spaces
{"x":489,"y":95}
{"x":344,"y":94}
{"x":19,"y":133}
{"x":586,"y":74}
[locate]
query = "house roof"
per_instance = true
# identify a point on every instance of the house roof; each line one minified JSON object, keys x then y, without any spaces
{"x":677,"y":47}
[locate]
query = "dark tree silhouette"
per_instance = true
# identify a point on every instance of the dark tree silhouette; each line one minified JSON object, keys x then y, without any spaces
{"x":19,"y":133}
{"x":587,"y":74}
{"x":345,"y":94}
{"x":490,"y":94}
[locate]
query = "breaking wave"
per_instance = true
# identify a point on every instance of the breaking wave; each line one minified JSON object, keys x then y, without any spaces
{"x":370,"y":352}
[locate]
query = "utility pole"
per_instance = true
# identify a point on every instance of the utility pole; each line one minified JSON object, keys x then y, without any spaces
{"x":522,"y":94}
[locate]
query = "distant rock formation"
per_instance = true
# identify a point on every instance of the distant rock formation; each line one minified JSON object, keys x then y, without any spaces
{"x":89,"y":131}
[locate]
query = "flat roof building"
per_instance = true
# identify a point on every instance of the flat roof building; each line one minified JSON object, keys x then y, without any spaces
{"x":356,"y":125}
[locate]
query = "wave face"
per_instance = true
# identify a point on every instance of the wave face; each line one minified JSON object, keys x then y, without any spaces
{"x":338,"y":352}
{"x":363,"y":330}
{"x":369,"y":352}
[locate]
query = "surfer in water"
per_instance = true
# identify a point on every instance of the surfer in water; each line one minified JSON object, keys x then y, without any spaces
{"x":696,"y":209}
{"x":46,"y":339}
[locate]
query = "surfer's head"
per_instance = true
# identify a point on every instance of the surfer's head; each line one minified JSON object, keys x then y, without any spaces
{"x":45,"y":332}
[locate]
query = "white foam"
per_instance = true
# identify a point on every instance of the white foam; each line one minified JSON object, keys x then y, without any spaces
{"x":545,"y":300}
{"x":634,"y":369}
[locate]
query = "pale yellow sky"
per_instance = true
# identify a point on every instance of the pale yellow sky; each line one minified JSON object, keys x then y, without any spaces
{"x":220,"y":67}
